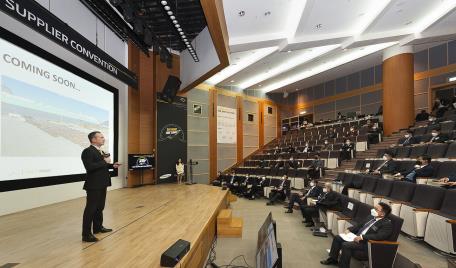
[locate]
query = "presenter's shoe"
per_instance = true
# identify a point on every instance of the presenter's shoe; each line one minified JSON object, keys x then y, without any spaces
{"x":89,"y":238}
{"x":102,"y":230}
{"x":329,"y":261}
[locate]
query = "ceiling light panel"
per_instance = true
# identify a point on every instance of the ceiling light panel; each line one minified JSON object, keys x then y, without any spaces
{"x":297,"y":58}
{"x":245,"y":59}
{"x":343,"y":58}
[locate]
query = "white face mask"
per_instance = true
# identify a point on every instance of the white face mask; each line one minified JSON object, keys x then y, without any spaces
{"x":434,"y":134}
{"x":374,"y":213}
{"x":326,"y":142}
{"x":406,"y":135}
{"x":348,"y":142}
{"x":384,"y":158}
{"x":312,"y":184}
{"x":325,"y":190}
{"x":351,"y":129}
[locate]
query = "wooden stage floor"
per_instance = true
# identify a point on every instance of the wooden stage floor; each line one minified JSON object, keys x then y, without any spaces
{"x":145,"y":222}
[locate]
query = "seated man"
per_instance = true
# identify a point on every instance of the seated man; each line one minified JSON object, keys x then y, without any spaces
{"x":422,"y":116}
{"x":423,"y":170}
{"x":315,"y":167}
{"x":373,"y":132}
{"x":326,"y":146}
{"x":409,"y":139}
{"x":301,"y":198}
{"x":242,"y":188}
{"x":279,"y":192}
{"x":253,"y":187}
{"x":290,"y":163}
{"x":307,"y":148}
{"x":377,"y":227}
{"x":346,"y":150}
{"x":438,"y":137}
{"x":327,"y":200}
{"x":232,"y":182}
{"x":388,"y":167}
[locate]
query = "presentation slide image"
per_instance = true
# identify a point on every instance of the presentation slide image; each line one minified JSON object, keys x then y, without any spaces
{"x":37,"y":122}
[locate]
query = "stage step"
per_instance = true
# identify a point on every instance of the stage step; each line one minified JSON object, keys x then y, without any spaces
{"x":227,"y":225}
{"x":232,"y":197}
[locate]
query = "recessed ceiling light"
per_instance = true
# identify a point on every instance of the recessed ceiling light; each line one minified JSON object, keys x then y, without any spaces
{"x":164,"y":3}
{"x":289,"y":51}
{"x":232,"y":81}
{"x":172,"y":17}
{"x":179,"y":29}
{"x":241,"y":13}
{"x":177,"y":25}
{"x":167,"y":8}
{"x":183,"y":36}
{"x":169,"y":13}
{"x":181,"y":33}
{"x":175,"y":21}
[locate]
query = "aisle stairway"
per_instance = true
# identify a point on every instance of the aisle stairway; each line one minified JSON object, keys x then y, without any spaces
{"x":370,"y":153}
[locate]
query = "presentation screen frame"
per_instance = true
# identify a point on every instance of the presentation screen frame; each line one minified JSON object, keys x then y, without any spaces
{"x":11,"y":185}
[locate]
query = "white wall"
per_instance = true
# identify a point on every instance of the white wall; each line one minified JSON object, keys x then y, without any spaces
{"x":76,"y":15}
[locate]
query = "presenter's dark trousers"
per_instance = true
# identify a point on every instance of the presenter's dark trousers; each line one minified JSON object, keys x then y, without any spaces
{"x":348,"y":249}
{"x":93,"y":212}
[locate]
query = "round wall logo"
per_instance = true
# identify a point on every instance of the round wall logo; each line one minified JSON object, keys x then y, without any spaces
{"x":172,"y":132}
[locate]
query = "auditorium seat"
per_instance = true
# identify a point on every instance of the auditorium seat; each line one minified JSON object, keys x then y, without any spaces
{"x":418,"y":151}
{"x":441,"y":225}
{"x":363,"y":211}
{"x":447,"y":126}
{"x":359,"y":165}
{"x":437,"y":150}
{"x":451,"y":151}
{"x":419,"y":131}
{"x":383,"y":188}
{"x":415,"y":213}
{"x":349,"y":208}
{"x":403,"y":152}
{"x":402,"y":192}
{"x":368,"y":185}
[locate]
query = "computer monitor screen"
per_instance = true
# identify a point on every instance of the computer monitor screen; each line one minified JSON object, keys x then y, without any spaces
{"x":141,"y":161}
{"x":267,"y":254}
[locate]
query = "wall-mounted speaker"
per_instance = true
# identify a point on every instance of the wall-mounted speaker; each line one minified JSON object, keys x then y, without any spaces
{"x":171,"y":87}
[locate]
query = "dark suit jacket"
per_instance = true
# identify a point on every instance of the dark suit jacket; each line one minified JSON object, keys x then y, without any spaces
{"x":329,"y":200}
{"x":98,"y":177}
{"x":389,"y":168}
{"x":381,"y":230}
{"x":452,"y":178}
{"x":425,"y":171}
{"x":409,"y":141}
{"x":314,"y":192}
{"x":439,"y":139}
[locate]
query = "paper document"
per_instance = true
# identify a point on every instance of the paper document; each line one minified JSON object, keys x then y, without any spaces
{"x":350,"y":237}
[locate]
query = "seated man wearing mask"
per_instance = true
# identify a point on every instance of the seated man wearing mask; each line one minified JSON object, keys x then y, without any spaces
{"x":409,"y":139}
{"x":346,"y":150}
{"x":438,"y":137}
{"x":279,"y":192}
{"x":375,"y":227}
{"x":315,"y":167}
{"x":423,"y":169}
{"x":326,"y":200}
{"x":388,"y":167}
{"x":301,"y":198}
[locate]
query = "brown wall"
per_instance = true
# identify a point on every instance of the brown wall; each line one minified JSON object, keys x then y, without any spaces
{"x":142,"y":109}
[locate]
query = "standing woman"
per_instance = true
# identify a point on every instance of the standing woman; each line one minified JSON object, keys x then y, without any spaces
{"x":179,"y":171}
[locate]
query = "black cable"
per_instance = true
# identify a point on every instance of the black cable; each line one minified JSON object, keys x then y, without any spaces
{"x":230,"y":265}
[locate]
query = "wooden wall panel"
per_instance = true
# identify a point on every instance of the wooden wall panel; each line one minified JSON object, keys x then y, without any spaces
{"x":239,"y":129}
{"x":212,"y":134}
{"x":260,"y":123}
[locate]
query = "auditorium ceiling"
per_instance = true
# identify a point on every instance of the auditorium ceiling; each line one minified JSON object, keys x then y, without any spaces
{"x":287,"y":45}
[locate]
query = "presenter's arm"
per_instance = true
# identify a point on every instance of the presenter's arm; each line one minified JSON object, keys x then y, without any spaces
{"x":89,"y":163}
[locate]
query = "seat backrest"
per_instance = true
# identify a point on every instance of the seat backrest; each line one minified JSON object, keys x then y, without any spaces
{"x":402,"y":191}
{"x":446,"y":169}
{"x":406,"y":165}
{"x":419,"y":131}
{"x":359,"y":164}
{"x":449,"y":203}
{"x":363,"y":211}
{"x":427,"y":196}
{"x":357,"y":181}
{"x":348,"y":179}
{"x":380,"y":153}
{"x":447,"y":126}
{"x":451,"y":151}
{"x":418,"y":151}
{"x":437,"y":150}
{"x":383,"y":187}
{"x":369,"y":183}
{"x":350,"y":206}
{"x":396,"y":222}
{"x":403,"y":152}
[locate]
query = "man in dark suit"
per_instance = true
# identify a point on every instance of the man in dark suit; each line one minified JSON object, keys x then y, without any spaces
{"x":232,"y":182}
{"x":326,"y":200}
{"x":438,"y":137}
{"x":388,"y":167}
{"x":290,"y":163}
{"x":408,"y":139}
{"x":376,"y":227}
{"x":97,"y":164}
{"x":280,"y":191}
{"x":301,"y":198}
{"x":425,"y":170}
{"x":346,"y":150}
{"x":315,"y":167}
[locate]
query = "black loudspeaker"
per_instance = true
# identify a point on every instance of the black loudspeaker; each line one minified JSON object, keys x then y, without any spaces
{"x":171,"y":87}
{"x":174,"y":254}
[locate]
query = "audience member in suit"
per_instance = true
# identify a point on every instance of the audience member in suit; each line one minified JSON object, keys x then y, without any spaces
{"x":290,"y":163}
{"x":279,"y":163}
{"x":219,"y":181}
{"x":301,"y":198}
{"x":276,"y":150}
{"x":253,"y":187}
{"x":279,"y":192}
{"x":232,"y":182}
{"x":409,"y":139}
{"x":450,"y":181}
{"x":315,"y":167}
{"x":373,"y":132}
{"x":97,"y":164}
{"x":262,"y":163}
{"x":388,"y":167}
{"x":438,"y":137}
{"x":346,"y":150}
{"x":352,"y":133}
{"x":376,"y":227}
{"x":423,"y":170}
{"x":331,"y":133}
{"x":340,"y":116}
{"x":243,"y":182}
{"x":326,"y":200}
{"x":326,"y":146}
{"x":422,"y":116}
{"x":290,"y":149}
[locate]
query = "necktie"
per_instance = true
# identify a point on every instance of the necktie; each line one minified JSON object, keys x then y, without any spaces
{"x":365,"y":227}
